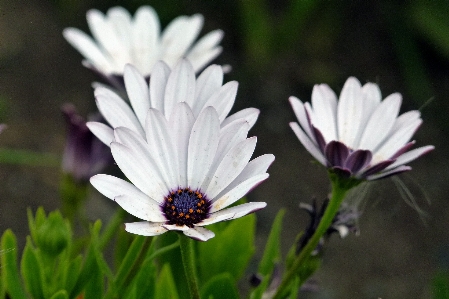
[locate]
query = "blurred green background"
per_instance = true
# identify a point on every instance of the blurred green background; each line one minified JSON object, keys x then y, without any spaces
{"x":276,"y":49}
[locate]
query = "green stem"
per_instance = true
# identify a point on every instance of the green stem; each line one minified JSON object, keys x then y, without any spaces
{"x":188,"y":260}
{"x":338,"y":194}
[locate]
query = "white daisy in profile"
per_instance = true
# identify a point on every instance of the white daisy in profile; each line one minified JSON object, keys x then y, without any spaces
{"x":359,"y":135}
{"x":165,"y":89}
{"x":185,"y":173}
{"x":119,"y":38}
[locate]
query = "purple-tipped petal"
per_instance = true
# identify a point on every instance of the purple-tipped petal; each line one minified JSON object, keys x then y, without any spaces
{"x":319,"y":138}
{"x":336,"y":153}
{"x":388,"y":173}
{"x":358,"y":160}
{"x":378,"y":167}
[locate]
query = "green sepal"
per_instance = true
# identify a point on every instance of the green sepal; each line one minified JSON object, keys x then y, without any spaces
{"x":229,"y":251}
{"x":165,"y":285}
{"x":61,"y":294}
{"x":31,"y":269}
{"x":9,"y":270}
{"x":221,"y":286}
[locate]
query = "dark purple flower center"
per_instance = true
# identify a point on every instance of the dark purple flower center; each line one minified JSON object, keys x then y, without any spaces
{"x":185,"y":207}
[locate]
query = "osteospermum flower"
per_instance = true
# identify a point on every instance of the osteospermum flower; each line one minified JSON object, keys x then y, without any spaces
{"x":185,"y":173}
{"x":359,"y":135}
{"x":166,"y":88}
{"x":120,"y":39}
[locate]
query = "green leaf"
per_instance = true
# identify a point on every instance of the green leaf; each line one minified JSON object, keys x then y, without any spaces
{"x":10,"y":273}
{"x":165,"y":286}
{"x":72,"y":273}
{"x":144,"y":281}
{"x":31,"y":270}
{"x":221,"y":286}
{"x":61,"y":294}
{"x":271,"y":255}
{"x":230,"y":250}
{"x":272,"y":252}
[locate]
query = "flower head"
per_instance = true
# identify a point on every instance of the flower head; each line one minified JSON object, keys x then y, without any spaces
{"x":359,"y":135}
{"x":84,"y":155}
{"x":120,"y":39}
{"x":185,"y":172}
{"x":166,"y":89}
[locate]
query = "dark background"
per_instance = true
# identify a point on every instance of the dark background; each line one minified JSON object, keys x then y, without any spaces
{"x":276,"y":49}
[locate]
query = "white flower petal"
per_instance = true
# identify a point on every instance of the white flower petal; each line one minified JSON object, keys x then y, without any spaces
{"x":110,"y":186}
{"x":181,"y":123}
{"x":199,"y":233}
{"x":203,"y":145}
{"x":145,"y":228}
{"x":324,"y":102}
{"x":237,"y":192}
{"x":88,"y":48}
{"x":145,"y":37}
{"x":372,"y":98}
{"x":160,"y":140}
{"x":205,"y":50}
{"x":158,"y":82}
{"x":137,"y":90}
{"x":120,"y":21}
{"x":410,"y":156}
{"x":301,"y":115}
{"x":156,"y":185}
{"x":176,"y":227}
{"x":308,"y":144}
{"x":181,"y":32}
{"x":180,"y":86}
{"x":140,"y":208}
{"x":231,"y":166}
{"x":233,"y":213}
{"x":223,"y":99}
{"x":116,"y":111}
{"x":102,"y":131}
{"x":396,"y":141}
{"x":381,"y":122}
{"x":248,"y":114}
{"x":130,"y":163}
{"x":350,"y":112}
{"x":208,"y":82}
{"x":103,"y":32}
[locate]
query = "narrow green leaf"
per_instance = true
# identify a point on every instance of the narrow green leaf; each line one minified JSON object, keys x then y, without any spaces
{"x":221,"y":286}
{"x":129,"y":260}
{"x":144,"y":282}
{"x":72,"y":273}
{"x":10,"y":273}
{"x":31,"y":270}
{"x":87,"y":270}
{"x":61,"y":294}
{"x":94,"y":287}
{"x":294,"y":289}
{"x":271,"y":255}
{"x":272,"y":252}
{"x":230,"y":250}
{"x":165,"y":286}
{"x":440,"y":283}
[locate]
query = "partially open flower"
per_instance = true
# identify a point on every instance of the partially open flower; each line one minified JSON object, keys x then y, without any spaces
{"x":359,"y":135}
{"x":166,"y":89}
{"x":84,"y":155}
{"x":118,"y":39}
{"x":184,"y":173}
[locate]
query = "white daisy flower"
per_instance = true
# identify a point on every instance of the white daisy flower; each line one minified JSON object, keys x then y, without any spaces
{"x":184,"y":173}
{"x":166,"y":89}
{"x":359,"y":135}
{"x":118,"y":39}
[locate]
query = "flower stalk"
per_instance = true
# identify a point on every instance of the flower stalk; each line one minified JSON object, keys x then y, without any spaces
{"x":340,"y":187}
{"x":188,"y":260}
